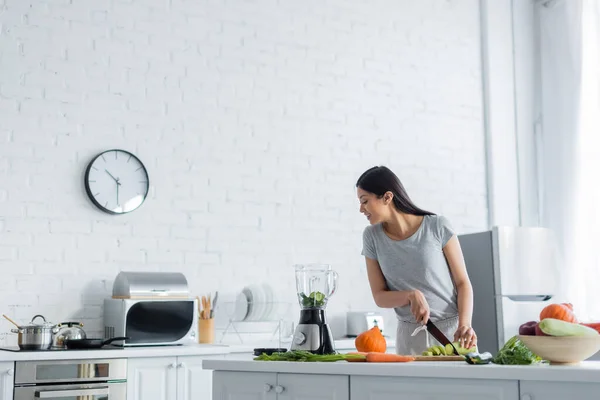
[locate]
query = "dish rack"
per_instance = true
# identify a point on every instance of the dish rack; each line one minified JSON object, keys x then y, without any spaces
{"x":271,"y":320}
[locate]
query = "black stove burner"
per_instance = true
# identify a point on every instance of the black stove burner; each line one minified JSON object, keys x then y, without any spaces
{"x":17,"y":349}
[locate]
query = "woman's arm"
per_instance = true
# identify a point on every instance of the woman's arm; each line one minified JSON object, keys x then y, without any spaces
{"x":386,"y":298}
{"x":456,"y":262}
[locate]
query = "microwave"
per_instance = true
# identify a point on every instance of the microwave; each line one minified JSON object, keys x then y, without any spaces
{"x":151,"y":322}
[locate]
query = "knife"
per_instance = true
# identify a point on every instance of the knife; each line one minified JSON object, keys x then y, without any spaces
{"x":439,"y":336}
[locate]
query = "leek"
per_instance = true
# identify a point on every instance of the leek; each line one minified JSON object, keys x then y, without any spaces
{"x":556,"y":327}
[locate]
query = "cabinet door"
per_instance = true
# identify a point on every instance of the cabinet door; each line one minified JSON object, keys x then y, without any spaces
{"x":313,"y":387}
{"x":152,"y":378}
{"x":7,"y":379}
{"x":193,"y":382}
{"x":391,"y":388}
{"x":538,"y":390}
{"x":230,"y":385}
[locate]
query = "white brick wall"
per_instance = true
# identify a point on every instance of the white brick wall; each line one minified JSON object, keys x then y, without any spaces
{"x":254,"y":120}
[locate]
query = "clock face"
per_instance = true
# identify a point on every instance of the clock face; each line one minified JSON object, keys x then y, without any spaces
{"x":116,"y":181}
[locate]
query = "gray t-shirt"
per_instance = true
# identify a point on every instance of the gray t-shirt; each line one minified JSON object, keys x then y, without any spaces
{"x":416,"y":262}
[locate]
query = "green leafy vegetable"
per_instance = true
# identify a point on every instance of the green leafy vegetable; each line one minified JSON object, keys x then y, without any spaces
{"x":306,"y":356}
{"x":515,"y":352}
{"x":313,"y":300}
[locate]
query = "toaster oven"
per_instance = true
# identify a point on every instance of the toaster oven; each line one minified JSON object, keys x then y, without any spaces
{"x":359,"y":322}
{"x":151,"y":309}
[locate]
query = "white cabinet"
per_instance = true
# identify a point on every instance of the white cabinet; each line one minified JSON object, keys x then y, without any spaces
{"x":244,"y":385}
{"x":168,"y":378}
{"x":313,"y":387}
{"x":278,"y":386}
{"x":538,"y":390}
{"x":193,"y":382}
{"x":7,"y":380}
{"x":390,"y":388}
{"x":152,"y":378}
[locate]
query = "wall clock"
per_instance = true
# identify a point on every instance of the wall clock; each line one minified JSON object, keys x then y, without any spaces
{"x":116,"y":181}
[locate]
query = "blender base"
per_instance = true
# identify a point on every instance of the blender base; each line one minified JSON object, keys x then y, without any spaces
{"x":313,"y":334}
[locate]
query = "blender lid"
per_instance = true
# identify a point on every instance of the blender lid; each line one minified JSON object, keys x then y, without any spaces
{"x":313,"y":267}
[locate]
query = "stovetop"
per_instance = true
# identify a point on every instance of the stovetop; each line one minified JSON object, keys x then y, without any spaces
{"x":17,"y":349}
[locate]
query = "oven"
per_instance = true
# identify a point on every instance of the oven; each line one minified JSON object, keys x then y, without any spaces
{"x":71,"y":380}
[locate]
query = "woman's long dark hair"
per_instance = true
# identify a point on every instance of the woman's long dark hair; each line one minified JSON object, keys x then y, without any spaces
{"x":379,"y":180}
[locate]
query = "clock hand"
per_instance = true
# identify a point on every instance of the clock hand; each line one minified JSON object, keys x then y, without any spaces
{"x":118,"y":184}
{"x":116,"y":180}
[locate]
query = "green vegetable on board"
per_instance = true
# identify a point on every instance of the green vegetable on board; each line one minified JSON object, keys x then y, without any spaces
{"x":514,"y":352}
{"x":438,"y":350}
{"x":307,"y":356}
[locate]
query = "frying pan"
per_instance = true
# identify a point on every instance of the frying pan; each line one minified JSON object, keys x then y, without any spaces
{"x":90,"y":343}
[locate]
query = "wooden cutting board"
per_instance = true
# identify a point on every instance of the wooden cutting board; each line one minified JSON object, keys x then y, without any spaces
{"x":439,"y":358}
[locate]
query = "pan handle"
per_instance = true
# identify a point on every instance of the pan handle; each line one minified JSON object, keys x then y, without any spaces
{"x":109,"y":341}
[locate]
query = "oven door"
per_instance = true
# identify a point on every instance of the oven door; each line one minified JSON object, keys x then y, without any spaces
{"x":177,"y":318}
{"x":93,"y":391}
{"x":69,"y":371}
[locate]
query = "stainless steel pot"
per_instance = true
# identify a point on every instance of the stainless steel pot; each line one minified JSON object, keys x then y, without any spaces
{"x":35,"y":336}
{"x":67,"y":331}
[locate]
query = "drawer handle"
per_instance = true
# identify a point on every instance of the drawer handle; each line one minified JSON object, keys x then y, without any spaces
{"x":172,"y":365}
{"x":180,"y":365}
{"x":279,"y":389}
{"x":268,"y":387}
{"x":10,"y":372}
{"x":54,"y":394}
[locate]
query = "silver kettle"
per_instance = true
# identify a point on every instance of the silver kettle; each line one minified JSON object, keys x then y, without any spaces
{"x":67,"y":331}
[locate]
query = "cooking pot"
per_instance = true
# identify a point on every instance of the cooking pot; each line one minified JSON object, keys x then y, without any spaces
{"x":67,"y":331}
{"x":35,"y":336}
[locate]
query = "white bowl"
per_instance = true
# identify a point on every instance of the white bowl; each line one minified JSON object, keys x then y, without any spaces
{"x":563,"y":349}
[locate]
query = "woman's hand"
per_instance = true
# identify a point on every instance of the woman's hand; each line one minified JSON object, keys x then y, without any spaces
{"x":419,"y":307}
{"x":465,"y":336}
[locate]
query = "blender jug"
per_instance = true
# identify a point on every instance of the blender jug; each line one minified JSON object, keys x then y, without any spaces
{"x":315,"y":284}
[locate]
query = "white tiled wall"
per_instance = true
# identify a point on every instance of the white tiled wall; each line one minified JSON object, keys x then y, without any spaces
{"x":254,"y":119}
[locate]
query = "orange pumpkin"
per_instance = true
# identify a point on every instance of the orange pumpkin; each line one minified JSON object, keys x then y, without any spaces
{"x":371,"y":341}
{"x":563,"y":311}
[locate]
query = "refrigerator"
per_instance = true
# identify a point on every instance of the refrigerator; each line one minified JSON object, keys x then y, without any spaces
{"x":515,"y":272}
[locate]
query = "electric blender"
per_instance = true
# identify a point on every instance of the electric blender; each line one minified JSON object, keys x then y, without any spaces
{"x":315,"y":284}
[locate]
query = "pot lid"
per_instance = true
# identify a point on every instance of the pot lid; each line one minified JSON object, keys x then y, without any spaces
{"x":38,"y":324}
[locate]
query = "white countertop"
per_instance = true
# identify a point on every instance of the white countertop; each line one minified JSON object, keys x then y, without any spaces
{"x":155,"y":351}
{"x":129,"y":352}
{"x":587,"y":371}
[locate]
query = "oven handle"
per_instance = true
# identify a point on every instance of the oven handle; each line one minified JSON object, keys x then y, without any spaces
{"x":53,"y":394}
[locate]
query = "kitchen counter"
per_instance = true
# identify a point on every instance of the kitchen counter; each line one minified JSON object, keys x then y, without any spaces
{"x":129,"y":352}
{"x":343,"y":345}
{"x":587,"y":371}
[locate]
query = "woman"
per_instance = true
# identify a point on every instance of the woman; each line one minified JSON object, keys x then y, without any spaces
{"x":414,"y":264}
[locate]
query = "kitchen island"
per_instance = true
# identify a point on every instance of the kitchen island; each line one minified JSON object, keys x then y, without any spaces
{"x":239,"y":377}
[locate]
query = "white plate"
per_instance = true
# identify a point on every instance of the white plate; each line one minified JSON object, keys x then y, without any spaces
{"x":259,"y":302}
{"x":251,"y":304}
{"x":241,"y":307}
{"x":269,"y":299}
